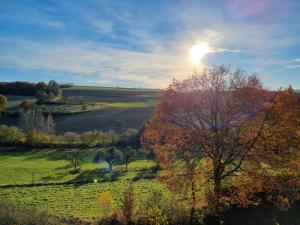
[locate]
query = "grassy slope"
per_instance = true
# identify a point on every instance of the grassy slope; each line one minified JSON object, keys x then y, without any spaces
{"x":71,"y":108}
{"x":52,"y":166}
{"x":80,"y":200}
{"x":133,"y":106}
{"x":109,"y":88}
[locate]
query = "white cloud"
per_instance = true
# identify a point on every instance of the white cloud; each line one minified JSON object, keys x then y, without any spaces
{"x":292,"y":66}
{"x":104,"y":63}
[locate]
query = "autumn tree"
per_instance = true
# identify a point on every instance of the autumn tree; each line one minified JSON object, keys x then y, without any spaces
{"x":275,"y":163}
{"x":217,"y":117}
{"x":40,"y":86}
{"x":26,"y":105}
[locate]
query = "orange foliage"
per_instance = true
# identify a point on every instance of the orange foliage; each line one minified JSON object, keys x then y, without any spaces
{"x":241,"y":129}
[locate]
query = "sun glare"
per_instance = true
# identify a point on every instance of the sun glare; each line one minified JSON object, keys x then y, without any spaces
{"x":198,"y":51}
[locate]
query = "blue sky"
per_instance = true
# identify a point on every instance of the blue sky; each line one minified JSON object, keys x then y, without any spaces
{"x":146,"y":43}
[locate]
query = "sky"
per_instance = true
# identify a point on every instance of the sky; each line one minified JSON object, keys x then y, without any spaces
{"x":147,"y":43}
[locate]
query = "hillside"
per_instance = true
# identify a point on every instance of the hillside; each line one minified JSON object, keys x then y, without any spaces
{"x":83,"y":108}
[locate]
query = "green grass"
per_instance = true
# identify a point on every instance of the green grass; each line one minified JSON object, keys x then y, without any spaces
{"x":82,"y":199}
{"x":109,"y":88}
{"x":72,"y":108}
{"x":79,"y":200}
{"x":51,"y":166}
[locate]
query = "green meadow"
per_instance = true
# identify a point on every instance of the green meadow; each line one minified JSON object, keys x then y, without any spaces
{"x":67,"y":194}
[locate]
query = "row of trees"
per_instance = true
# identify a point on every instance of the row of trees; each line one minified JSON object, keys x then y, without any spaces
{"x":37,"y":137}
{"x":111,"y":155}
{"x":43,"y":91}
{"x":224,"y":135}
{"x":27,"y":88}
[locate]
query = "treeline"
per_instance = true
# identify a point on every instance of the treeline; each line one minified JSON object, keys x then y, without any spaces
{"x":41,"y":90}
{"x":37,"y":138}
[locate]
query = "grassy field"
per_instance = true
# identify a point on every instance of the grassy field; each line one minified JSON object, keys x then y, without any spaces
{"x":78,"y":108}
{"x":99,"y":94}
{"x":22,"y":166}
{"x":111,"y":88}
{"x":80,"y":199}
{"x":103,"y":119}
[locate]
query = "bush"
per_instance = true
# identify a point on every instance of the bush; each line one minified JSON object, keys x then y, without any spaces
{"x":3,"y":103}
{"x":11,"y":135}
{"x":27,"y":105}
{"x":71,"y":137}
{"x":91,"y":138}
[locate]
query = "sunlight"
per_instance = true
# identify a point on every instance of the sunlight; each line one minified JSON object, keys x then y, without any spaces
{"x":198,"y":51}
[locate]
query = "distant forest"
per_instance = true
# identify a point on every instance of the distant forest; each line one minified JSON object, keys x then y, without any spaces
{"x":30,"y":89}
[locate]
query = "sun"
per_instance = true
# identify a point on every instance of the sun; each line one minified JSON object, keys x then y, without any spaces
{"x":198,"y":51}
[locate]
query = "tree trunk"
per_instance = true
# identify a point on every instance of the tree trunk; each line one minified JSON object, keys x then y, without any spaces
{"x":217,"y":194}
{"x":110,"y":167}
{"x":126,"y":165}
{"x":193,"y":202}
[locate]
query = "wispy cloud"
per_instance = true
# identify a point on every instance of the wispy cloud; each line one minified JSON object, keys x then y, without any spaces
{"x":107,"y":63}
{"x":292,"y":66}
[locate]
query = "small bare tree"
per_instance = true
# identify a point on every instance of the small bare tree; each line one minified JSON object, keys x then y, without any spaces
{"x":75,"y":162}
{"x":49,"y":125}
{"x":32,"y":119}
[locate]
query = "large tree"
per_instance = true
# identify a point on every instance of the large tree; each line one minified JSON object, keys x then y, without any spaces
{"x":216,"y":117}
{"x":129,"y":155}
{"x":111,"y":155}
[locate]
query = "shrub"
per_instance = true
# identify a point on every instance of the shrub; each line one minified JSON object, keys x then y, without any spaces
{"x":71,"y":137}
{"x":3,"y":103}
{"x":91,"y":138}
{"x":156,"y":216}
{"x":106,"y":202}
{"x":11,"y":134}
{"x":27,"y":105}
